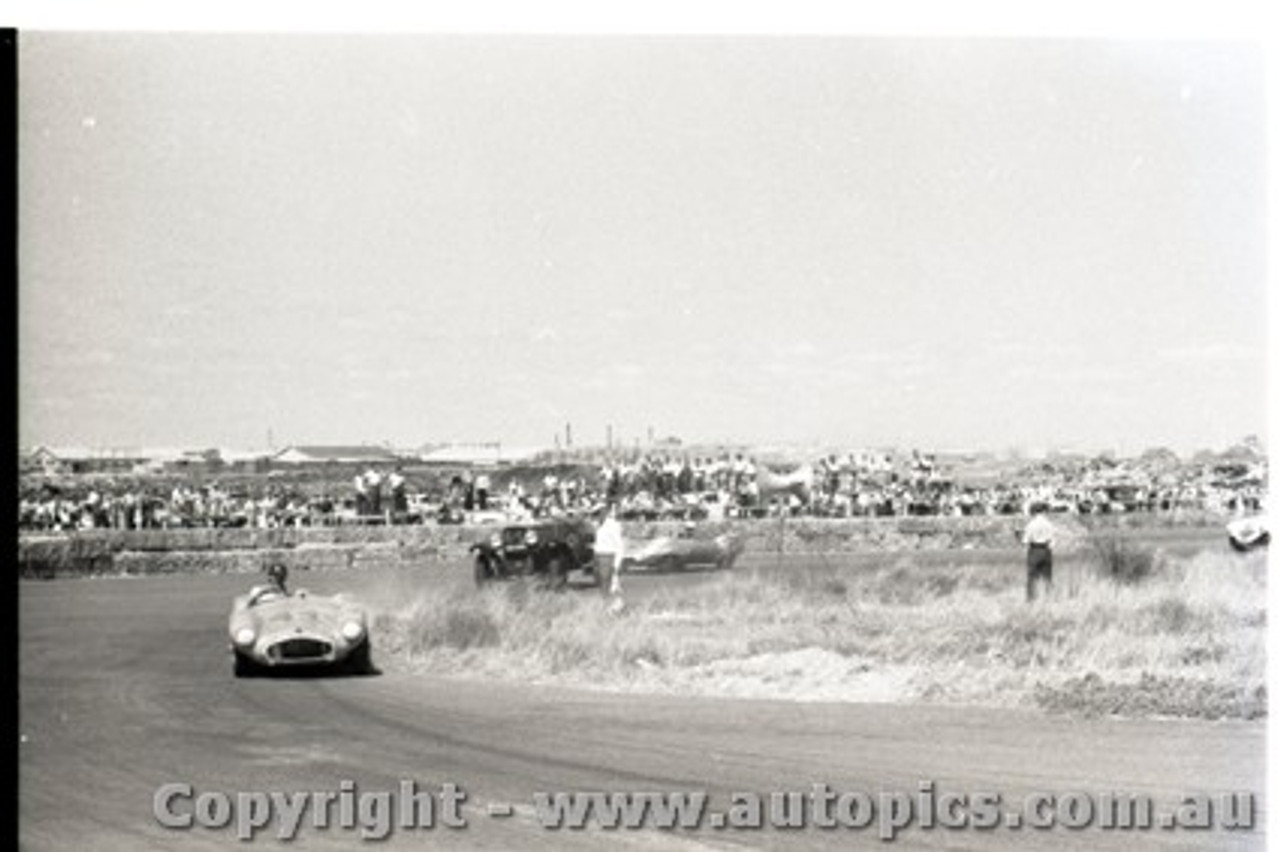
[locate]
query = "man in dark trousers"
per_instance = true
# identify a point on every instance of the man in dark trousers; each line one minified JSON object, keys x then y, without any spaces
{"x":399,"y":496}
{"x":1038,"y":537}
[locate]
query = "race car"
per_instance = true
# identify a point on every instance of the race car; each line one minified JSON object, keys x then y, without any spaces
{"x":273,"y":630}
{"x":682,"y":552}
{"x":1250,"y":533}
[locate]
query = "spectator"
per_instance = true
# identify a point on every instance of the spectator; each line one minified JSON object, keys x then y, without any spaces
{"x":373,"y":491}
{"x":609,"y":548}
{"x":1038,"y":537}
{"x":399,"y":500}
{"x":362,"y":496}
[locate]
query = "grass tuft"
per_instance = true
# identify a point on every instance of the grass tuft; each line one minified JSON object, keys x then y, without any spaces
{"x":1122,"y":560}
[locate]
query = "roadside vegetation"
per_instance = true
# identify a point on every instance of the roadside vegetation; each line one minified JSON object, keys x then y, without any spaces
{"x":1125,"y":631}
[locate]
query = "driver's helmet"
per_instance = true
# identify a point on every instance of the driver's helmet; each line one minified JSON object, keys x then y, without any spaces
{"x":277,"y":574}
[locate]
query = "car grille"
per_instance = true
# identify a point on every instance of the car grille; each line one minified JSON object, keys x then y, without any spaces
{"x":301,"y":649}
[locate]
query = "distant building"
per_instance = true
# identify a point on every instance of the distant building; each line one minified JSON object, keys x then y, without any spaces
{"x":188,"y":461}
{"x":43,"y":460}
{"x":62,"y":460}
{"x":312,"y":454}
{"x":477,"y":454}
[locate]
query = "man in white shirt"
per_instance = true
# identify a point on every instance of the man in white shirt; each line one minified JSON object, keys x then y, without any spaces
{"x":373,"y":491}
{"x":609,"y":549}
{"x":1038,"y":537}
{"x":362,"y":496}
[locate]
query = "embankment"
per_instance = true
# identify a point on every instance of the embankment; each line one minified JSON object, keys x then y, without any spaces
{"x":145,"y":552}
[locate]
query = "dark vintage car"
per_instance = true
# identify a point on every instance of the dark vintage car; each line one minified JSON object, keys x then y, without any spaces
{"x":550,"y":548}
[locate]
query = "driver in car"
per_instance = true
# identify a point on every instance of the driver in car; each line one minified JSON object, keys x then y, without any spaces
{"x":275,"y":587}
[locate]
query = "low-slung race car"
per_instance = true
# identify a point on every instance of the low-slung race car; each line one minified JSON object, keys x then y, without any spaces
{"x":275,"y":630}
{"x":678,"y":553}
{"x":1250,"y":533}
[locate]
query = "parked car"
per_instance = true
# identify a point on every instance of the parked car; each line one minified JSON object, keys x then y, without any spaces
{"x":551,"y":548}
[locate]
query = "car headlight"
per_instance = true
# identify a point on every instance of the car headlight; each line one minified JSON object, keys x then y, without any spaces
{"x":245,"y":636}
{"x":352,"y":630}
{"x":530,"y":538}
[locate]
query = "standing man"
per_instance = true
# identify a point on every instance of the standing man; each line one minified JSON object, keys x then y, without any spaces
{"x":609,"y":548}
{"x":1038,"y":537}
{"x":362,"y":497}
{"x":399,"y":498}
{"x":373,"y":491}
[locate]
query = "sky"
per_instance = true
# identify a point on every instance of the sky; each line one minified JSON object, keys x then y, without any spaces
{"x":240,"y":239}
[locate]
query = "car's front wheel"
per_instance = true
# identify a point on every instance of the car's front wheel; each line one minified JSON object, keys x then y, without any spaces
{"x":243,"y":666}
{"x":483,"y":570}
{"x":360,"y":660}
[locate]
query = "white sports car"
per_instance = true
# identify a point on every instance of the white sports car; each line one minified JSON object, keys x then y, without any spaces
{"x":272,"y":630}
{"x":677,"y":553}
{"x":1247,"y":534}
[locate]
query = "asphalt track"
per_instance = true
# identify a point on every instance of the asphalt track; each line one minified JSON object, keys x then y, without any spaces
{"x":125,"y":686}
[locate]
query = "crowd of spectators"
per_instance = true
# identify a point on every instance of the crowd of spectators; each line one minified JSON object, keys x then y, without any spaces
{"x":102,"y":506}
{"x":847,"y":486}
{"x":649,"y":486}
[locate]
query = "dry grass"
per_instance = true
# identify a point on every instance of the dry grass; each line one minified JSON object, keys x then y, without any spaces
{"x":1187,"y":638}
